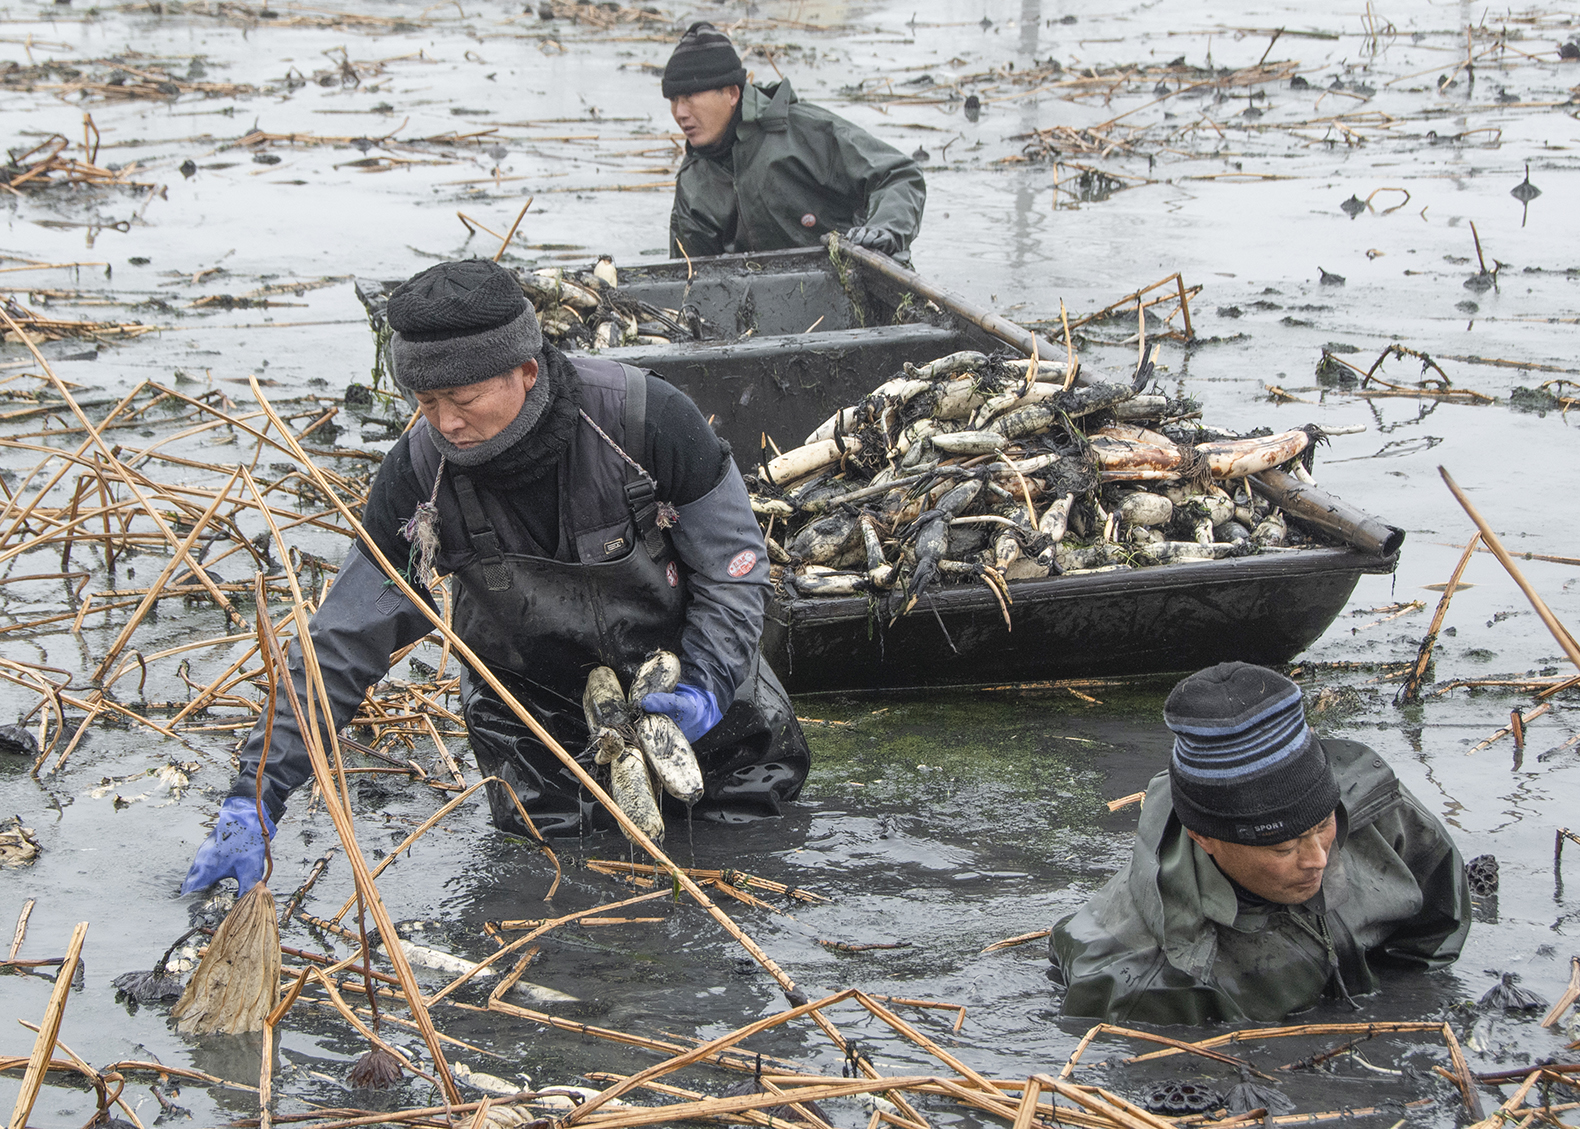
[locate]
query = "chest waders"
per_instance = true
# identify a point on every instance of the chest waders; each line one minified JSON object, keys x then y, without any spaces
{"x":609,"y":594}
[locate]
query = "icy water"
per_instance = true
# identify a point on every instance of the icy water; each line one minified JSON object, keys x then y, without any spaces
{"x":938,"y":822}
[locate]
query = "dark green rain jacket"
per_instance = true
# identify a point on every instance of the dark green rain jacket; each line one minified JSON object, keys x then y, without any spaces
{"x":1168,"y":941}
{"x":792,"y":160}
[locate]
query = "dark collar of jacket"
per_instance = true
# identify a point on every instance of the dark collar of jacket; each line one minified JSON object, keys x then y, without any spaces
{"x":767,"y":107}
{"x":1179,"y":890}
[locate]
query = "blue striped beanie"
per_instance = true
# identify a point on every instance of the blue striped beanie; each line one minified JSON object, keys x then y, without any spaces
{"x":1246,"y":767}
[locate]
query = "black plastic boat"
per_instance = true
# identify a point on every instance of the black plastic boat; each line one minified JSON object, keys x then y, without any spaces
{"x":789,"y":337}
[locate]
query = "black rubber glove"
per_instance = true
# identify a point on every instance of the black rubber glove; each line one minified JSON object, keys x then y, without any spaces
{"x":874,"y":238}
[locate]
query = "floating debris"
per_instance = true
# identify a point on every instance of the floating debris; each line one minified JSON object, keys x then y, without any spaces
{"x":18,"y":847}
{"x":1181,"y":1097}
{"x":486,"y":1083}
{"x":45,"y":166}
{"x":605,"y":16}
{"x":1094,"y":186}
{"x":149,"y":987}
{"x":212,"y":909}
{"x":1247,"y":1095}
{"x":19,"y":740}
{"x":378,"y":1069}
{"x":1525,"y":192}
{"x":1481,"y":872}
{"x":1506,"y":995}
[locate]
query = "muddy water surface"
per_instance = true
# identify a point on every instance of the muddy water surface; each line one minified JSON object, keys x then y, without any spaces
{"x":938,"y":822}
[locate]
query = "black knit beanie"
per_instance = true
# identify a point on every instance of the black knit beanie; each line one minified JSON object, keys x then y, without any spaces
{"x":1246,"y":767}
{"x":460,"y":323}
{"x":704,"y":59}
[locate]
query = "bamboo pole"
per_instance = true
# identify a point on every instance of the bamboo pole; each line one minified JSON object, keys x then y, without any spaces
{"x":979,"y":316}
{"x":1560,"y":633}
{"x":39,"y":1063}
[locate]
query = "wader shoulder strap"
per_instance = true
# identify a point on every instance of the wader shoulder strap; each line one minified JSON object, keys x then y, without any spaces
{"x":484,"y":540}
{"x":641,"y":492}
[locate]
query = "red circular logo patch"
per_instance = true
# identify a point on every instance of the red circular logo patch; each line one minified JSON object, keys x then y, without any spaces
{"x":672,"y":574}
{"x":743,"y":563}
{"x":809,"y":220}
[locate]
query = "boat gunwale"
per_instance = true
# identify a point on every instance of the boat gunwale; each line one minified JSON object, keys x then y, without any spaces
{"x":805,"y":611}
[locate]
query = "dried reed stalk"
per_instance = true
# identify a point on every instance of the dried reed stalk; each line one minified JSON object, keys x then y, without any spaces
{"x":1559,"y":632}
{"x":44,"y":1045}
{"x":1571,"y":994}
{"x":339,"y":811}
{"x":1412,"y":688}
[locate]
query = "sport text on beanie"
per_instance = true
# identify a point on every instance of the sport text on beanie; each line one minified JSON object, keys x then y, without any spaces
{"x":704,"y":59}
{"x":1246,"y":767}
{"x":460,"y":323}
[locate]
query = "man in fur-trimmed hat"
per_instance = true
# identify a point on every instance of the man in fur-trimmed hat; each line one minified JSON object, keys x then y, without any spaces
{"x":765,"y":171}
{"x":1270,"y":868}
{"x":588,"y":516}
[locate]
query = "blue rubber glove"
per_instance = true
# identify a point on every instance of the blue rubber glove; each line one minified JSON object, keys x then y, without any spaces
{"x":234,"y":849}
{"x":695,"y":711}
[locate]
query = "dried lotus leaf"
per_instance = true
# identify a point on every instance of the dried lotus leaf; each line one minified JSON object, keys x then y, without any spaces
{"x":1508,"y":996}
{"x":237,"y":984}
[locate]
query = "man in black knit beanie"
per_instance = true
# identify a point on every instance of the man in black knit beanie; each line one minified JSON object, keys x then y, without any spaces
{"x":587,"y":515}
{"x":1270,"y":868}
{"x":765,"y":171}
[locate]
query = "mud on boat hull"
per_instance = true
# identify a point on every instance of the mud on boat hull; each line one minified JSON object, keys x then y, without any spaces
{"x":1263,"y":609}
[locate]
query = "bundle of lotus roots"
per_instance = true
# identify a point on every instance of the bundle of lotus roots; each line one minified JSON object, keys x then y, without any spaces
{"x":978,"y":469}
{"x":623,"y":733}
{"x":586,"y":308}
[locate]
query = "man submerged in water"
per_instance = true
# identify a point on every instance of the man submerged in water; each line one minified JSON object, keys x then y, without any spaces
{"x":1269,"y":868}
